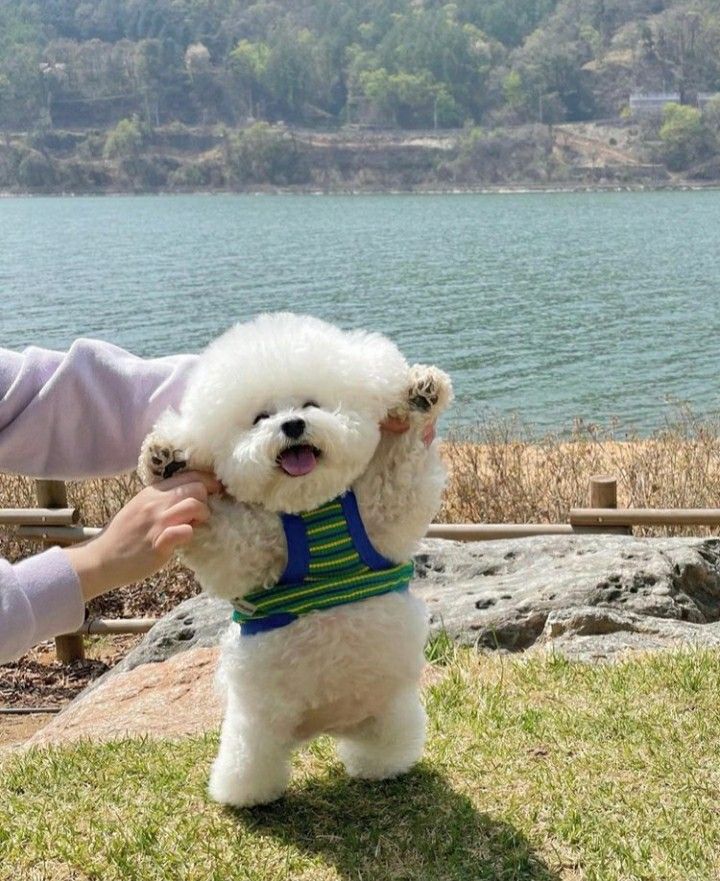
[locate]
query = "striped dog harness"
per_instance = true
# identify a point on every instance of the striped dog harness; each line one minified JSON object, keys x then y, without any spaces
{"x":331,"y":562}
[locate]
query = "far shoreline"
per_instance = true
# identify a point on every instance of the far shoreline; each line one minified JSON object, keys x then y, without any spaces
{"x":491,"y":190}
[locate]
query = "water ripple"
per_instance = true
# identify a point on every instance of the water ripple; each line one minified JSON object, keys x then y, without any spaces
{"x":551,"y":306}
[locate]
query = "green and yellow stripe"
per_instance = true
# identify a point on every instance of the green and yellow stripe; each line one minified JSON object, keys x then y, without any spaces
{"x":336,"y":573}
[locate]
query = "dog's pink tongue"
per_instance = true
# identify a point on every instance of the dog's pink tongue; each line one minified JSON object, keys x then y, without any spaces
{"x":297,"y":461}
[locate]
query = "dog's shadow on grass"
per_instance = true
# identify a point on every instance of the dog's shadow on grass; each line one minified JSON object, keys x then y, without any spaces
{"x":415,"y":827}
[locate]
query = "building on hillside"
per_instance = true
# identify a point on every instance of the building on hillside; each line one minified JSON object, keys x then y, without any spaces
{"x":651,"y":103}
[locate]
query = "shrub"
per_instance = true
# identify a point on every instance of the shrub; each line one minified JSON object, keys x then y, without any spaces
{"x":92,"y":146}
{"x":35,"y":171}
{"x":711,"y":114}
{"x":125,"y":140}
{"x":501,"y":155}
{"x":266,"y":154}
{"x":198,"y":174}
{"x":148,"y":172}
{"x":83,"y":176}
{"x":685,"y":137}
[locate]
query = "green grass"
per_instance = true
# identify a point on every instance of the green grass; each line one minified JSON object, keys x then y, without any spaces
{"x":535,"y":769}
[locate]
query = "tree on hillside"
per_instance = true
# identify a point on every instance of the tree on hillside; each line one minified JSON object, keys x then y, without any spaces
{"x":22,"y":90}
{"x":685,"y":137}
{"x":508,"y":21}
{"x":161,"y":77}
{"x":552,"y":77}
{"x":205,"y":87}
{"x":479,"y":61}
{"x":409,"y":99}
{"x":125,"y":141}
{"x":247,"y":65}
{"x":434,"y":42}
{"x":292,"y":75}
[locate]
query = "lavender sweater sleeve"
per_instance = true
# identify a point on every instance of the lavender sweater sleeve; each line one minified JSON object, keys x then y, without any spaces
{"x":70,"y":415}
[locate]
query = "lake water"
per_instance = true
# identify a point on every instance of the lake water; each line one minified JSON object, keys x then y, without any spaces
{"x":550,"y":306}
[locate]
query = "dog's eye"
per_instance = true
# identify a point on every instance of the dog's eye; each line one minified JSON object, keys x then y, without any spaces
{"x":310,"y":404}
{"x":260,"y":417}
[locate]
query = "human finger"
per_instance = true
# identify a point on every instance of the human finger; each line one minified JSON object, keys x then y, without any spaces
{"x":173,"y":537}
{"x":208,"y":480}
{"x":194,"y":489}
{"x":395,"y":425}
{"x":190,"y":510}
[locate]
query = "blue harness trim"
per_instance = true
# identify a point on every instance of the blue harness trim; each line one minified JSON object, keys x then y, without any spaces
{"x":359,"y":537}
{"x":272,"y":622}
{"x":298,"y":551}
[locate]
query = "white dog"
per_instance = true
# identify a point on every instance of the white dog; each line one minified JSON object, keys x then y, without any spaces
{"x":311,"y":543}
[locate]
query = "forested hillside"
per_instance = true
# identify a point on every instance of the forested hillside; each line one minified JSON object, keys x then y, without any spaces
{"x":117,"y":94}
{"x":409,"y":63}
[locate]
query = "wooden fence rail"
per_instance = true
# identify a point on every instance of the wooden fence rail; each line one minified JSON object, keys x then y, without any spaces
{"x":54,"y":522}
{"x":39,"y":516}
{"x":584,"y":517}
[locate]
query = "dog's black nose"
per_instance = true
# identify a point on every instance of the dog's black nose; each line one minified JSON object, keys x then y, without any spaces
{"x":293,"y":428}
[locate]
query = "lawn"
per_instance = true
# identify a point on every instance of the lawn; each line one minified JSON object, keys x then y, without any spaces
{"x":535,"y":769}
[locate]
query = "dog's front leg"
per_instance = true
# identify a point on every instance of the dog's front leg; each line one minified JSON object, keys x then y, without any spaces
{"x":170,"y":448}
{"x":253,"y":764}
{"x":401,"y":490}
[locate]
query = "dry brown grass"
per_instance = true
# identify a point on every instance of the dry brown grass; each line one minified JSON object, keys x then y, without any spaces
{"x":498,"y":475}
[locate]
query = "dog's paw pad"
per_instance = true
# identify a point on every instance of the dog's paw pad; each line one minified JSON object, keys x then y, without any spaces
{"x":430,"y":389}
{"x":163,"y":461}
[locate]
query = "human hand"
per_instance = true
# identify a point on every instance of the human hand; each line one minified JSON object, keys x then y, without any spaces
{"x":141,"y":537}
{"x":396,"y":425}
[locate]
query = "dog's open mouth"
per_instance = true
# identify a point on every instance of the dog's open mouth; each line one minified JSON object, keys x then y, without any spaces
{"x":299,"y":459}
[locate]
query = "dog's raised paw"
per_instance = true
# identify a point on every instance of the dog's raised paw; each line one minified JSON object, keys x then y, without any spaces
{"x":159,"y":461}
{"x":430,"y":389}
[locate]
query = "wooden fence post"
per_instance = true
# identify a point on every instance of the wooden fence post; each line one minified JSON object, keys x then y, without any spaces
{"x":53,"y":494}
{"x":603,"y":494}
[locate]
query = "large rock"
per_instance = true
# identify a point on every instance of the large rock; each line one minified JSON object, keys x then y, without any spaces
{"x":170,"y":700}
{"x":592,"y":633}
{"x":502,"y":594}
{"x":196,"y":623}
{"x":589,"y":597}
{"x":507,"y":594}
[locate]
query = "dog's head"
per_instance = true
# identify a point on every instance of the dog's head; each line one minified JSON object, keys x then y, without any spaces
{"x":288,"y":407}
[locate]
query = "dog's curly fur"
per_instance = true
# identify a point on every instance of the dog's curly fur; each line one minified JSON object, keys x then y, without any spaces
{"x":352,"y":671}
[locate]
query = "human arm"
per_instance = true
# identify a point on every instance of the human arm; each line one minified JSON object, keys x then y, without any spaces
{"x":400,"y":491}
{"x":83,"y":413}
{"x":39,"y":598}
{"x":74,"y":415}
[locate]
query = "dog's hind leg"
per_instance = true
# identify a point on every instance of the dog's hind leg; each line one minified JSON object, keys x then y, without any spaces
{"x":387,"y":745}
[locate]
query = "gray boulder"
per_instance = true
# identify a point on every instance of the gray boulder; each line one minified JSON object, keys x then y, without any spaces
{"x":516,"y":594}
{"x":587,"y":596}
{"x":592,"y":633}
{"x":196,"y":623}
